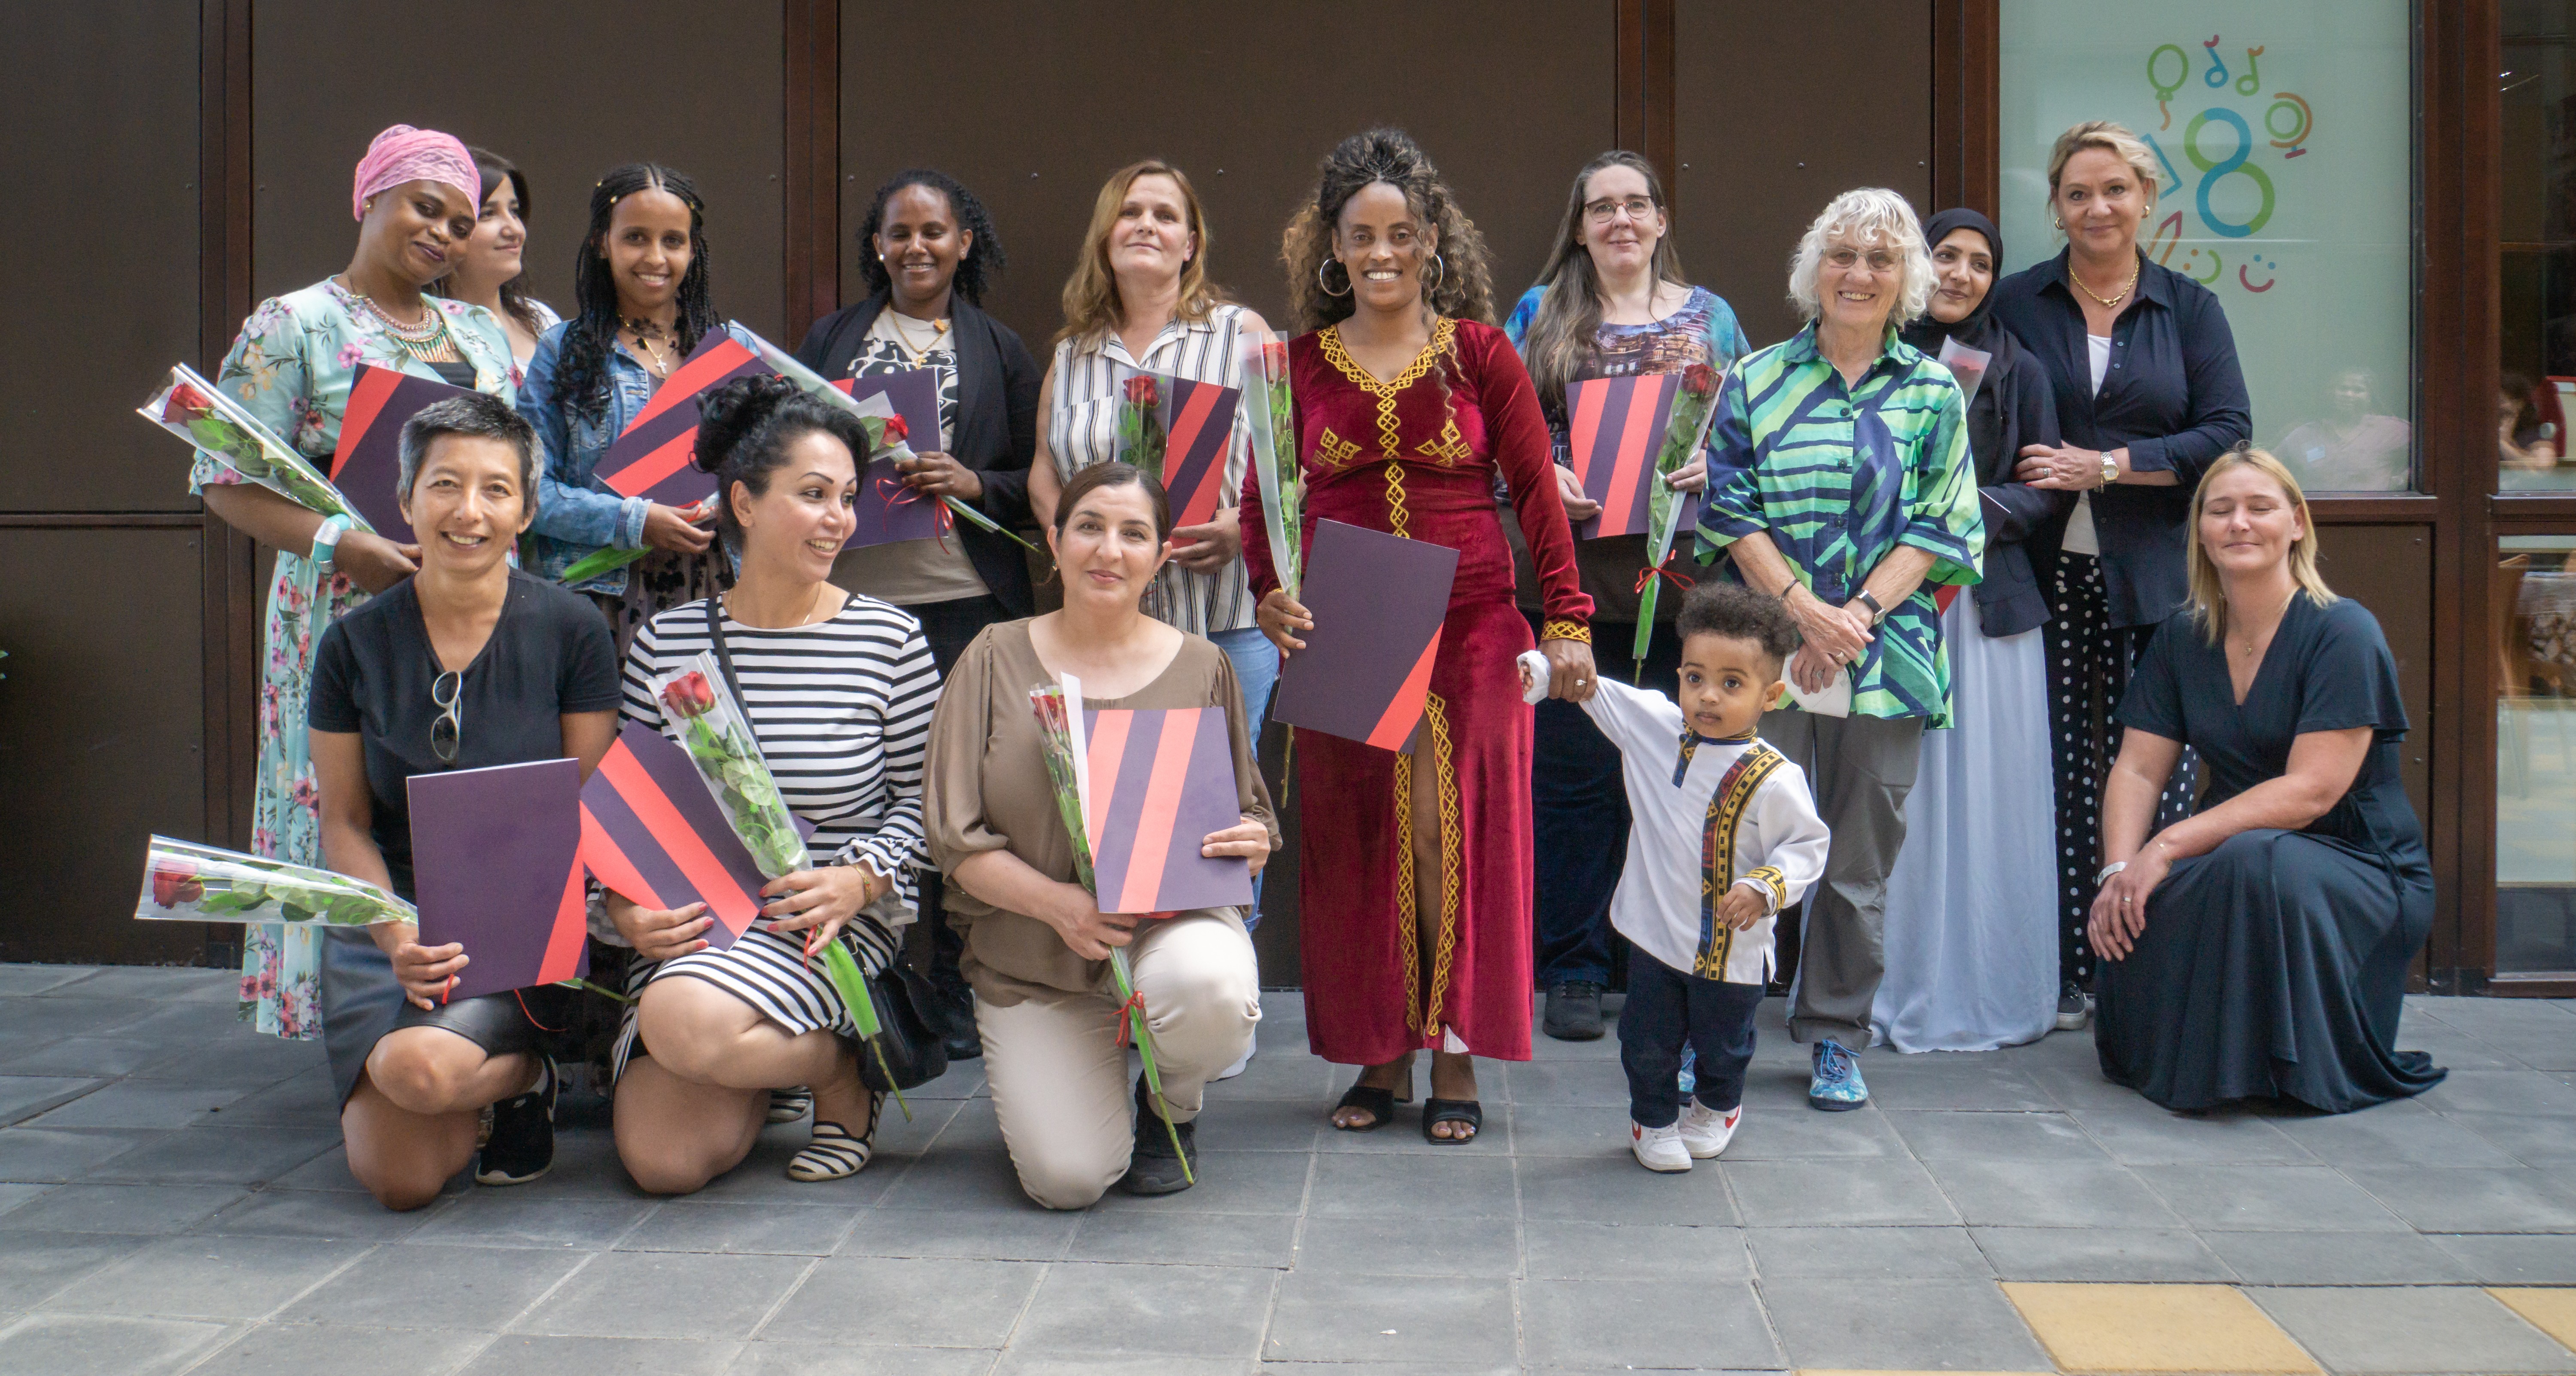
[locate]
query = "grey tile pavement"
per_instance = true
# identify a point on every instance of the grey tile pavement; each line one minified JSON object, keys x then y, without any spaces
{"x":173,"y":1198}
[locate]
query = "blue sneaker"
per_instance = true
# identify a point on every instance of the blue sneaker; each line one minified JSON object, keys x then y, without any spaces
{"x":1837,"y":1086}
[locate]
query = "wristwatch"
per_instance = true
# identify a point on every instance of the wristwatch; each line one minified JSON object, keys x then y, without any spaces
{"x":1877,"y":613}
{"x":2110,"y":469}
{"x":326,"y":539}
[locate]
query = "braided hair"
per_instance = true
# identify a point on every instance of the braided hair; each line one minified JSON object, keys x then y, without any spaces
{"x":982,"y":258}
{"x":744,"y":429}
{"x":582,"y":375}
{"x":1459,"y":281}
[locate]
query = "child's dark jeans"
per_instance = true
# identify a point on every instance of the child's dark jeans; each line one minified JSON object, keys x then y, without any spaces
{"x":1666,"y":1008}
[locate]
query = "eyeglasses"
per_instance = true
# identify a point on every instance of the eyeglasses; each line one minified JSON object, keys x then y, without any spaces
{"x":1602,"y":211}
{"x":1879,"y":259}
{"x":447,"y":734}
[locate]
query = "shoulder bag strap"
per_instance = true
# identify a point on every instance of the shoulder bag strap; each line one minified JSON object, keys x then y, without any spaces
{"x":724,"y":659}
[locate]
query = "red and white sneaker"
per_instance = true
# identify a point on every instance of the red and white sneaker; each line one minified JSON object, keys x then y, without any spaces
{"x":1705,"y":1131}
{"x":1659,"y":1149}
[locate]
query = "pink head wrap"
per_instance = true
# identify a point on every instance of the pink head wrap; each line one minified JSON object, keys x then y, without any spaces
{"x":404,"y":154}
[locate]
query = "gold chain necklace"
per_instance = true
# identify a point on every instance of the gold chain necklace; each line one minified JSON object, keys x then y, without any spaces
{"x":2109,"y":303}
{"x":645,"y":332}
{"x":920,"y":353}
{"x":2276,"y":621}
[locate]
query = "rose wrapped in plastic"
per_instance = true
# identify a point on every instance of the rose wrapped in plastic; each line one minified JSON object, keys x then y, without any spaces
{"x":1280,"y":479}
{"x":719,"y":739}
{"x":1684,"y":435}
{"x":1140,"y":436}
{"x":187,"y":882}
{"x":197,"y":411}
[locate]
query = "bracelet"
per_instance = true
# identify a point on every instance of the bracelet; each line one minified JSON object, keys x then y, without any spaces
{"x":326,"y":539}
{"x":1566,"y":630}
{"x":2110,"y":869}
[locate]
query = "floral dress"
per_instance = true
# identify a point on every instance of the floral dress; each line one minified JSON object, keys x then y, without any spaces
{"x":292,"y":368}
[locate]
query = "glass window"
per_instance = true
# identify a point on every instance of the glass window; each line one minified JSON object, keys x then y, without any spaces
{"x":2535,"y":648}
{"x":2285,"y":131}
{"x":2537,"y":277}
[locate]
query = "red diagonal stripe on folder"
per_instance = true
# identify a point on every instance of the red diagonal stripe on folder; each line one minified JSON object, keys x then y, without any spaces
{"x":367,"y":397}
{"x":1613,"y":438}
{"x":1155,"y":815}
{"x":1161,"y":780}
{"x":649,"y":469}
{"x":676,"y":839}
{"x":650,"y":457}
{"x":567,"y":951}
{"x":715,"y":361}
{"x":608,"y":863}
{"x":1194,"y":450}
{"x":1638,"y":439}
{"x":1405,"y":712}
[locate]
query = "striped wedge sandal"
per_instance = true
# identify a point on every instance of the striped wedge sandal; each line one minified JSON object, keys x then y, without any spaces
{"x":834,"y":1154}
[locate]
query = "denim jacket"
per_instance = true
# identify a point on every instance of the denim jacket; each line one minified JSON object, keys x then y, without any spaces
{"x":577,"y":514}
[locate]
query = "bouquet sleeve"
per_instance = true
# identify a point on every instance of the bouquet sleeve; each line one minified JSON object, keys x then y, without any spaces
{"x":197,"y":411}
{"x":1276,"y":472}
{"x":1685,"y":436}
{"x":718,"y":736}
{"x":186,"y":882}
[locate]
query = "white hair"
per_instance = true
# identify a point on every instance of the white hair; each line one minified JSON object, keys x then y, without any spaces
{"x":1870,"y":216}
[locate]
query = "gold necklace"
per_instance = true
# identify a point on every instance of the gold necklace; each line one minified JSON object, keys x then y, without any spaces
{"x":2276,"y":621}
{"x":2109,"y":303}
{"x":903,"y":337}
{"x":644,"y":333}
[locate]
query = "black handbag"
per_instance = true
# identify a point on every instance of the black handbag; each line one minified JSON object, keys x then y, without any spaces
{"x":912,"y":1050}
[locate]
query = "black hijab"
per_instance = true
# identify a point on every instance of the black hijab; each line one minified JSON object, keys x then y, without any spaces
{"x":1978,"y":329}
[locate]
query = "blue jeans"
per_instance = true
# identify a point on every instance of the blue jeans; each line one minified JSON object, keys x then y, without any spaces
{"x":1579,"y":812}
{"x":1668,"y":1010}
{"x":1256,"y":672}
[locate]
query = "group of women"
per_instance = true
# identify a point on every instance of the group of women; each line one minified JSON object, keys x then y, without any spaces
{"x":888,"y":685}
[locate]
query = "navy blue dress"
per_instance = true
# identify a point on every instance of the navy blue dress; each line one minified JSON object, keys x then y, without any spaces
{"x":2274,"y":966}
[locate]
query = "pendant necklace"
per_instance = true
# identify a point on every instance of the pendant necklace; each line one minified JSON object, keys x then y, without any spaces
{"x":645,"y":333}
{"x":902,"y":336}
{"x":425,"y":339}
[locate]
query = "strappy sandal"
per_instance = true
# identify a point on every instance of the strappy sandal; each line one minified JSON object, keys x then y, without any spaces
{"x":1438,"y":1111}
{"x":834,"y":1154}
{"x":788,"y":1105}
{"x":1380,"y":1104}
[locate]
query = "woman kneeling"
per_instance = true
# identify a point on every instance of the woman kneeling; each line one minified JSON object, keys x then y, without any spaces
{"x":839,"y":690}
{"x":1037,"y":945}
{"x":2258,"y":948}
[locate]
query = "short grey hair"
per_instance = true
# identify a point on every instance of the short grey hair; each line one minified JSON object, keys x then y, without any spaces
{"x":1870,"y":215}
{"x":477,"y":416}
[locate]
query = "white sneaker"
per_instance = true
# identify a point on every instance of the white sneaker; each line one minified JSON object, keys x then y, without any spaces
{"x":1659,"y":1149}
{"x":1705,"y":1131}
{"x":1250,"y":1044}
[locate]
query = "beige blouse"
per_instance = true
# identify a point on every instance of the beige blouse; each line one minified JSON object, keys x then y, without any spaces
{"x":988,"y":789}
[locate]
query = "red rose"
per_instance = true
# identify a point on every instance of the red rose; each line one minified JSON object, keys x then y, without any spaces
{"x":895,"y":431}
{"x":175,"y":882}
{"x":1274,"y":358}
{"x":1140,"y":391}
{"x":1700,"y":380}
{"x":688,"y":695}
{"x":186,"y":403}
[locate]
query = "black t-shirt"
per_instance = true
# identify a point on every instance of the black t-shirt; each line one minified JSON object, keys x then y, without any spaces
{"x":550,"y":653}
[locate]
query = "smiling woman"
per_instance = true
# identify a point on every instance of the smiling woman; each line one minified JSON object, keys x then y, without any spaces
{"x":491,"y":272}
{"x":413,"y":197}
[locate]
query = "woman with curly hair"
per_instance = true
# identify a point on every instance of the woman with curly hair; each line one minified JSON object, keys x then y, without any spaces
{"x":1409,"y":402}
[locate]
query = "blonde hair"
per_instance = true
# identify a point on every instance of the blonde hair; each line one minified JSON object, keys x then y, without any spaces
{"x":2112,"y":138}
{"x":1091,"y":305}
{"x":1870,"y":215}
{"x":2208,"y":594}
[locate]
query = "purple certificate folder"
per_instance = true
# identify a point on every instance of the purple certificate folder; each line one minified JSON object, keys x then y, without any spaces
{"x":1160,"y":782}
{"x":654,"y":835}
{"x":912,"y":394}
{"x":368,"y":462}
{"x":496,"y":867}
{"x":1378,"y":602}
{"x":888,"y":511}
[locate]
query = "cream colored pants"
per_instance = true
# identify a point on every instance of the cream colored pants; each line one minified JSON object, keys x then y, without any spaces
{"x":1059,"y":1078}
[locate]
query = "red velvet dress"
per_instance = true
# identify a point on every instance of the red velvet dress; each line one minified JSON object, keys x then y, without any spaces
{"x":1419,"y":460}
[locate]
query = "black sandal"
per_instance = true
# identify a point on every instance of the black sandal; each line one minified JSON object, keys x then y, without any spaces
{"x":1380,"y":1104}
{"x":1438,"y":1111}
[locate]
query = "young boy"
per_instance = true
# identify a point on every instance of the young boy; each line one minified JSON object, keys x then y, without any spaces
{"x":1724,"y":834}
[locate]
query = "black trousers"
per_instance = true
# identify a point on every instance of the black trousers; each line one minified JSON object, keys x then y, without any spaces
{"x":1579,"y":811}
{"x":950,"y":627}
{"x":1667,"y":1008}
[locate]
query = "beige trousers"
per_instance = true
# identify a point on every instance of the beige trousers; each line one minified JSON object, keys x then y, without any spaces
{"x":1059,"y":1078}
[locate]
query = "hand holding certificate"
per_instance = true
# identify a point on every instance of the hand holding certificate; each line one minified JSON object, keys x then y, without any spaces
{"x":1377,"y":602}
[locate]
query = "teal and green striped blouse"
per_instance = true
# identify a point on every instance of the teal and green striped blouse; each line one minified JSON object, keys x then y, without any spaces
{"x":1838,"y":477}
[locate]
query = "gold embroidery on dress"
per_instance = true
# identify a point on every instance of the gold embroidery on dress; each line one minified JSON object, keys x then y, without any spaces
{"x":1452,"y":857}
{"x":1397,"y":519}
{"x":1407,"y":919}
{"x":1452,"y":447}
{"x":1334,"y":451}
{"x":1442,"y":336}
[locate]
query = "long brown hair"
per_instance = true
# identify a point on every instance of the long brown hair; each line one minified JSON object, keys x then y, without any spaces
{"x":1091,"y":305}
{"x":1461,"y":284}
{"x":2208,"y":594}
{"x":1569,"y":312}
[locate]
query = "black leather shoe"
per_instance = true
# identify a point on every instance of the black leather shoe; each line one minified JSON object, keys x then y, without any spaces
{"x":1155,"y":1168}
{"x":1574,"y":1011}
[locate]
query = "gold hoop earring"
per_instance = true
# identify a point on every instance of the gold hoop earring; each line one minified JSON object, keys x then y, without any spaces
{"x":1439,"y":277}
{"x":1326,"y":284}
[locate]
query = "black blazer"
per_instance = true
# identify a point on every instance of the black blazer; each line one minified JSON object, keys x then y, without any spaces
{"x":2174,"y":396}
{"x":996,"y":430}
{"x":2015,"y":406}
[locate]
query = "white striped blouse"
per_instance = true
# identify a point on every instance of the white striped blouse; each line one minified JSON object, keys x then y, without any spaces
{"x":1084,"y":431}
{"x":842,"y":709}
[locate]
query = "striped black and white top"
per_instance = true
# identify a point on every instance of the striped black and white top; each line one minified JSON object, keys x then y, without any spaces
{"x":842,"y":709}
{"x":1084,"y":431}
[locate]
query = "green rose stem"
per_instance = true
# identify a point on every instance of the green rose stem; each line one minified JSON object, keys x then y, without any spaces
{"x":600,"y":561}
{"x":852,"y":982}
{"x":1056,"y":730}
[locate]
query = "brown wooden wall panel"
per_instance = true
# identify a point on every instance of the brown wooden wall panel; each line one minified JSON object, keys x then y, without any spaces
{"x":1039,"y":102}
{"x":100,"y":104}
{"x":100,"y":737}
{"x":565,"y":91}
{"x":2389,"y":569}
{"x":1779,"y":109}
